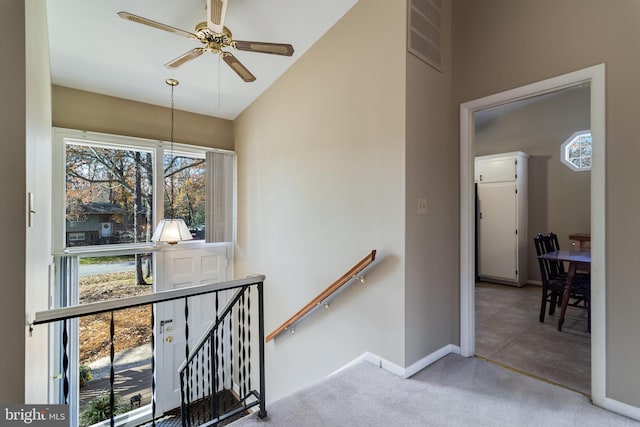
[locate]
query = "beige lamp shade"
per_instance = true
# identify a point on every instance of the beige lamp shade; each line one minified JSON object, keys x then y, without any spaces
{"x":171,"y":231}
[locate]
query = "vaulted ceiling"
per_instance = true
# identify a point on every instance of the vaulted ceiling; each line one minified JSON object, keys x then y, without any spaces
{"x":95,"y":50}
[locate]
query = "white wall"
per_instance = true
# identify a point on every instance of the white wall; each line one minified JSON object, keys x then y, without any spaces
{"x":321,"y":183}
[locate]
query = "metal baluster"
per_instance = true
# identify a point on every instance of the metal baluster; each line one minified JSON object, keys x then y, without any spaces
{"x":65,"y":362}
{"x":239,"y":341}
{"x":198,"y":411}
{"x":112,"y":376}
{"x":183,"y":404}
{"x":243,"y":380}
{"x":216,"y":379}
{"x":153,"y":367}
{"x":188,"y":382}
{"x":203,"y":373}
{"x":262,"y":413}
{"x":230,"y":321}
{"x":209,"y":373}
{"x":249,"y":335}
{"x":222,"y":358}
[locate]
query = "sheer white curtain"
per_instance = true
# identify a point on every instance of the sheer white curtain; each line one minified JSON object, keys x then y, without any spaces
{"x":219,"y":208}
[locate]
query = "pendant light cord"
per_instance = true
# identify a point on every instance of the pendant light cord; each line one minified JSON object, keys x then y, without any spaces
{"x":173,"y":83}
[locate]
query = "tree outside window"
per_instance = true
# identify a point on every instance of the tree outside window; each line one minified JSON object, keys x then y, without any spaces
{"x":109,"y":195}
{"x":185,"y":190}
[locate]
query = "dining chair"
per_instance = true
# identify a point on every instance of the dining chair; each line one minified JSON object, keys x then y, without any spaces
{"x":553,"y":285}
{"x":554,"y":280}
{"x":581,"y":280}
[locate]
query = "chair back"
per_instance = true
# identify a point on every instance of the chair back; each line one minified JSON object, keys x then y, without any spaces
{"x":541,"y":249}
{"x":544,"y":243}
{"x":557,"y":267}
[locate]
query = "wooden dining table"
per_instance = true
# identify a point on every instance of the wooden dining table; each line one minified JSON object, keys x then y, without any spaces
{"x":578,"y":260}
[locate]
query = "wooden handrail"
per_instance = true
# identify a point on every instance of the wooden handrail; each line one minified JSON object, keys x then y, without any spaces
{"x":324,"y":295}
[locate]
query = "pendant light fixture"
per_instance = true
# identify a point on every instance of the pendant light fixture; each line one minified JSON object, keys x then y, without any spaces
{"x":171,"y":230}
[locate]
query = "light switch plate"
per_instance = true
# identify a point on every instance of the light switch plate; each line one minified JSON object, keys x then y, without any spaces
{"x":422,"y":206}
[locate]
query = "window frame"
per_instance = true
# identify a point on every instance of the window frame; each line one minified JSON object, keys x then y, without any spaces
{"x":564,"y":148}
{"x":157,"y":147}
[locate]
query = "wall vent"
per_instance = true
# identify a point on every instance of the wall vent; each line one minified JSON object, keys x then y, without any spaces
{"x":425,"y":26}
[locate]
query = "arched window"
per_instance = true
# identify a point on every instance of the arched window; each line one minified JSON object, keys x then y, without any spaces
{"x":575,"y":152}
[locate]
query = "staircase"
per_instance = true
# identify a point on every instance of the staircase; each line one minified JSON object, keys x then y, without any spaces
{"x":218,"y":379}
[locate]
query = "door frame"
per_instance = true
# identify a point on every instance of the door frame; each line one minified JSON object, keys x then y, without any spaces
{"x":594,"y":75}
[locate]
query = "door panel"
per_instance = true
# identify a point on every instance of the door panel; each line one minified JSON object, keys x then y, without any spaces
{"x":498,"y":241}
{"x":183,"y":268}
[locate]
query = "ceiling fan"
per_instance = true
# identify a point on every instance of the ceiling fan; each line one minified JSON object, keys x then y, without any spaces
{"x":215,"y":37}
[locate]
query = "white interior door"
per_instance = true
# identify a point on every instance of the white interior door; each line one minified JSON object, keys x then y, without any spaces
{"x":183,"y":268}
{"x":498,"y":241}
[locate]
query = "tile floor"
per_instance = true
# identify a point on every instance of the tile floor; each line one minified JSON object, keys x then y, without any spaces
{"x":508,"y":332}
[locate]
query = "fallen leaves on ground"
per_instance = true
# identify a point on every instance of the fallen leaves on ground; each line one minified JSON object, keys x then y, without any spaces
{"x":132,"y":326}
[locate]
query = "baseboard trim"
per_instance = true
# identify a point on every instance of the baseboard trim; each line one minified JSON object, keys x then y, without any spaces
{"x":374,"y":360}
{"x":429,"y":359}
{"x":398,"y":370}
{"x":621,"y":408}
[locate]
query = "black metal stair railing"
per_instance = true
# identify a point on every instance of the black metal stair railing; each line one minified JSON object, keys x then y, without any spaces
{"x":212,"y":389}
{"x":217,"y":378}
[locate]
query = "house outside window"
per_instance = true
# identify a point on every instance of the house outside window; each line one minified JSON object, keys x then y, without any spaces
{"x":576,"y":151}
{"x":115,"y":189}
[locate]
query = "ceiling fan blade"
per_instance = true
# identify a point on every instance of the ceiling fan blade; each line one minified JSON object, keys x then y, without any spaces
{"x":236,"y":66}
{"x":262,"y":47}
{"x":216,"y":10}
{"x":192,"y":54}
{"x":158,"y":25}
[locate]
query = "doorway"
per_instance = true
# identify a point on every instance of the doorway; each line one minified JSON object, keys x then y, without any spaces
{"x":594,"y":76}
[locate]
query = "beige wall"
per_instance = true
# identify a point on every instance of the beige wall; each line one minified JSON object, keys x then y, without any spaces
{"x":559,"y":198}
{"x":76,"y":109}
{"x":432,"y":278}
{"x":38,"y":182}
{"x":321,"y":163}
{"x":502,"y":44}
{"x":12,"y":188}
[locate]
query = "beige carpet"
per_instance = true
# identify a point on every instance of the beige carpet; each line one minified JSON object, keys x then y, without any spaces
{"x":454,"y":391}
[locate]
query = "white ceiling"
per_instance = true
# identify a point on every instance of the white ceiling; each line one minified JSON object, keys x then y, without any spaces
{"x":93,"y":49}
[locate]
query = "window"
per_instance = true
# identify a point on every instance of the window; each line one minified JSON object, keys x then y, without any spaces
{"x":92,"y":279}
{"x":185,"y":189}
{"x":108,"y":194}
{"x":575,"y":152}
{"x":112,"y":190}
{"x":75,"y":237}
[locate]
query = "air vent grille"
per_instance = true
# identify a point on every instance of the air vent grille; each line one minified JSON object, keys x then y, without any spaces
{"x":425,"y":26}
